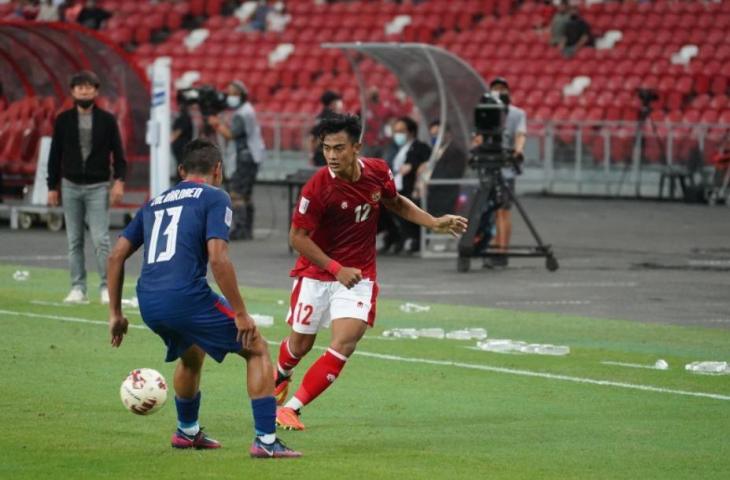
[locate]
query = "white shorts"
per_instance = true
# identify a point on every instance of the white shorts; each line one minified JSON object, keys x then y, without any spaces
{"x":315,"y":303}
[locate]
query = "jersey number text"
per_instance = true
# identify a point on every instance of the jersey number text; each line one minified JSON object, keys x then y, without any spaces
{"x":170,"y":232}
{"x":362,"y":212}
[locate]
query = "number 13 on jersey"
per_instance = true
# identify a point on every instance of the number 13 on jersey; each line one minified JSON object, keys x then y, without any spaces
{"x":170,"y":232}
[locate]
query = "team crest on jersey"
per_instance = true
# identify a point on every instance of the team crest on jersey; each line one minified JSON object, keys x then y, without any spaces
{"x":376,"y":196}
{"x":344,"y":205}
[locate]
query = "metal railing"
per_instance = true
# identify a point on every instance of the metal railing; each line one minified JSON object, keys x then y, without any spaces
{"x":608,"y":158}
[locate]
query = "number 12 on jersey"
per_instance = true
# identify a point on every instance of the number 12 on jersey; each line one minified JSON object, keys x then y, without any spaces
{"x":170,"y":232}
{"x":362,"y":212}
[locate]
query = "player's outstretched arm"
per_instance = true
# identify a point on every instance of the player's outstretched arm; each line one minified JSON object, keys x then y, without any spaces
{"x":302,"y":243}
{"x":403,"y":207}
{"x":122,"y":250}
{"x":225,"y":277}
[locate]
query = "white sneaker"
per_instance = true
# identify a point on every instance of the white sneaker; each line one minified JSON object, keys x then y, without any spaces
{"x":105,"y":296}
{"x":76,"y":295}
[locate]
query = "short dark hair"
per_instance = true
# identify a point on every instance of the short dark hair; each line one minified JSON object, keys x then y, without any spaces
{"x":200,"y":156}
{"x":85,"y":77}
{"x":338,"y":122}
{"x":411,"y":125}
{"x":499,"y":81}
{"x":329,"y":96}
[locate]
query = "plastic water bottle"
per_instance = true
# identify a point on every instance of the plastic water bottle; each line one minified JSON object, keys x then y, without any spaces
{"x":478,"y":333}
{"x":414,"y":308}
{"x":500,"y":345}
{"x":262,"y":320}
{"x":21,"y":275}
{"x":401,"y":333}
{"x":548,"y":349}
{"x":708,"y":367}
{"x":431,"y":333}
{"x":459,"y":335}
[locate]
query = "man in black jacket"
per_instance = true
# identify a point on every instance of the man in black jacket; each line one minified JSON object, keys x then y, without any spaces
{"x":411,"y":154}
{"x":79,"y":170}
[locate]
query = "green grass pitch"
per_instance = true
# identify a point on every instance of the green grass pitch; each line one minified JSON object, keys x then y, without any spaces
{"x":402,"y":409}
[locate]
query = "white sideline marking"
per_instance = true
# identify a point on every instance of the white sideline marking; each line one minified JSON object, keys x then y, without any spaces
{"x":546,"y":302}
{"x":65,"y":319}
{"x":34,"y":257}
{"x":630,"y":365}
{"x":442,"y":363}
{"x":586,"y":284}
{"x":52,"y":304}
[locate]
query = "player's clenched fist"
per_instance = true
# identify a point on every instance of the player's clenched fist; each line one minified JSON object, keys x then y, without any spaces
{"x":453,"y":224}
{"x":349,"y":277}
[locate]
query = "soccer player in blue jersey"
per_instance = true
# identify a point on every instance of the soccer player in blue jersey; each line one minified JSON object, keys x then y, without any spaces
{"x":182,"y":230}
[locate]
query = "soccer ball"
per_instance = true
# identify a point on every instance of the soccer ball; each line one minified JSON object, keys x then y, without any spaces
{"x":144,"y":391}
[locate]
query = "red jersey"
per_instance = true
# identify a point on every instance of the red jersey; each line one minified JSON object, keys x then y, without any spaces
{"x":342,"y":217}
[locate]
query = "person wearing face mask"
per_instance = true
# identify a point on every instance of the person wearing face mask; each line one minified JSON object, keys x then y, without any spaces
{"x":412,"y":153}
{"x":79,"y":171}
{"x":244,"y":152}
{"x":514,"y":138}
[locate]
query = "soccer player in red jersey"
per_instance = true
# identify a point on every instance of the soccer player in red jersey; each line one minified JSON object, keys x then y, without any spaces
{"x":333,"y":228}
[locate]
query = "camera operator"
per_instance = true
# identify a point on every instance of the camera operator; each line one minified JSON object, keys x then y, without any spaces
{"x":244,"y":152}
{"x":513,"y":139}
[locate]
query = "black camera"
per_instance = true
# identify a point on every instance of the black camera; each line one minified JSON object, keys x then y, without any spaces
{"x":210,"y":100}
{"x":489,"y":121}
{"x":647,"y":95}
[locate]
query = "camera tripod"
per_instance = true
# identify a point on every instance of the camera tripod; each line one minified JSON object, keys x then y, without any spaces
{"x":483,"y":207}
{"x":673,"y":174}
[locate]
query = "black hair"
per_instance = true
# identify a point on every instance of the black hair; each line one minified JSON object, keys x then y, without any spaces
{"x":85,"y":77}
{"x":338,"y":122}
{"x":328,"y":97}
{"x":200,"y":156}
{"x":241,"y":87}
{"x":499,"y":81}
{"x":411,"y":125}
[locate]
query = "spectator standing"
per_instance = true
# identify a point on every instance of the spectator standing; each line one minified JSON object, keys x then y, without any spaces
{"x":92,"y":16}
{"x":577,"y":34}
{"x":558,"y":23}
{"x":245,"y":151}
{"x":84,"y":139}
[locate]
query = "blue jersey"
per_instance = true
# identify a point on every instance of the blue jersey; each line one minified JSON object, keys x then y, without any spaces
{"x":175,"y":227}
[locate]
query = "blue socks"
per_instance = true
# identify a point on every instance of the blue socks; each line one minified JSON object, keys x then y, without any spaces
{"x":264,"y":418}
{"x":187,"y":414}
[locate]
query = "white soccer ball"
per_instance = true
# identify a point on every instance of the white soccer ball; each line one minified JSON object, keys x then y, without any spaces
{"x":144,"y":391}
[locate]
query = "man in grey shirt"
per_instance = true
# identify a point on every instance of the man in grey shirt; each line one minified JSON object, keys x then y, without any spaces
{"x":514,"y":137}
{"x":244,"y":152}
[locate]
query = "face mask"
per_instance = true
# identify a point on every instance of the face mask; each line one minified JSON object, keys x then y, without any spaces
{"x":84,"y":103}
{"x":400,"y":138}
{"x":233,"y":101}
{"x":505,"y":98}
